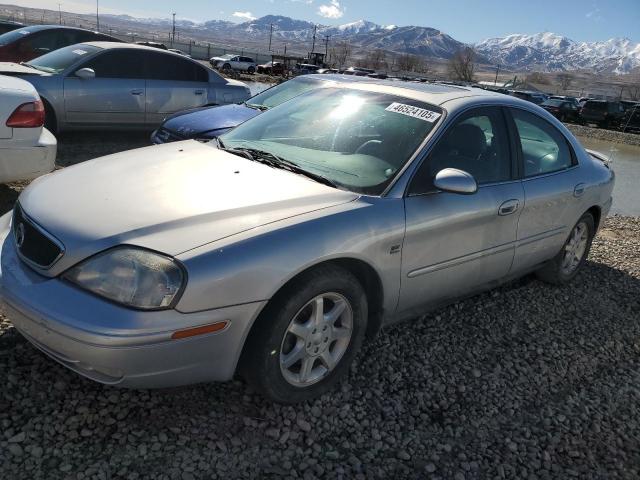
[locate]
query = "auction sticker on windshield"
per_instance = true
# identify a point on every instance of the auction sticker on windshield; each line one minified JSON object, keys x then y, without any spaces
{"x":415,"y":112}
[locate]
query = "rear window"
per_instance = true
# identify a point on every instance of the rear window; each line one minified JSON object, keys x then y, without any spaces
{"x":10,"y":37}
{"x":553,"y":103}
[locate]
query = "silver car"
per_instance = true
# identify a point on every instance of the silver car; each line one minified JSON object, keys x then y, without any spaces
{"x":277,"y":250}
{"x":121,"y":85}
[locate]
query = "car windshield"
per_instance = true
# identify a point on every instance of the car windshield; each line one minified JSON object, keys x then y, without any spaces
{"x":10,"y":37}
{"x":59,"y":60}
{"x":357,"y":140}
{"x":282,"y":93}
{"x":553,"y":103}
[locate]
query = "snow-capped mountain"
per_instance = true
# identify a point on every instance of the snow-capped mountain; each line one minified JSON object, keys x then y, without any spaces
{"x":549,"y":51}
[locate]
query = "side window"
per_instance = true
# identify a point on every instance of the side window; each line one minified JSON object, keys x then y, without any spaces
{"x":172,"y":67}
{"x":118,"y":63}
{"x":544,"y":148}
{"x":477,"y":143}
{"x":42,"y":42}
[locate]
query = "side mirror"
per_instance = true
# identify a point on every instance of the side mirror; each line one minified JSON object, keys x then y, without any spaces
{"x":455,"y":181}
{"x":86,"y":73}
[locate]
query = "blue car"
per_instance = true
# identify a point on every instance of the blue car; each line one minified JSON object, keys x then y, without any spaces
{"x":207,"y":123}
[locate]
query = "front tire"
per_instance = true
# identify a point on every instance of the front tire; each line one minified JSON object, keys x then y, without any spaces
{"x":568,"y":262}
{"x":306,"y":339}
{"x":251,"y":70}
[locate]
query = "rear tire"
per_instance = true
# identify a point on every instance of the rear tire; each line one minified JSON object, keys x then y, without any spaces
{"x":305,"y":340}
{"x":568,"y":262}
{"x":50,"y":121}
{"x":251,"y":70}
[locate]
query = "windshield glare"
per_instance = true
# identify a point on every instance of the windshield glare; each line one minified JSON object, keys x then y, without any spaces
{"x":283,"y":92}
{"x":59,"y":60}
{"x":357,"y":139}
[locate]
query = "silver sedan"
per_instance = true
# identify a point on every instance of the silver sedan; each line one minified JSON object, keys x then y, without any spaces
{"x":121,"y":85}
{"x":276,"y":251}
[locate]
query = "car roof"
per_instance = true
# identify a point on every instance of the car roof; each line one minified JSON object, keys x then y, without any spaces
{"x":433,"y":93}
{"x":38,"y":28}
{"x":112,"y":45}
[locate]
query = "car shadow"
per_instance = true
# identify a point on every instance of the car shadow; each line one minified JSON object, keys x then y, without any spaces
{"x":77,"y":147}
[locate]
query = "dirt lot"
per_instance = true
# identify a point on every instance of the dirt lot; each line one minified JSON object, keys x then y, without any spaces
{"x":528,"y":381}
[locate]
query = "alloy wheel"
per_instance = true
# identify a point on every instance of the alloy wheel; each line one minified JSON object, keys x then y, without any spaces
{"x":316,"y":339}
{"x":575,"y":248}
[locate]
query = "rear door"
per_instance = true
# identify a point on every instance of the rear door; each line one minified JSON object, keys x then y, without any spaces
{"x":457,"y":243}
{"x":173,"y":84}
{"x":116,"y":96}
{"x":552,"y":188}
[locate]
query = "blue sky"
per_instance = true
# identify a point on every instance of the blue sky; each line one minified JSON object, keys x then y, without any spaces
{"x":465,"y":20}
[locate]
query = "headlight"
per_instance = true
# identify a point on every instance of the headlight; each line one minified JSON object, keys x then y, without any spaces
{"x":131,"y":276}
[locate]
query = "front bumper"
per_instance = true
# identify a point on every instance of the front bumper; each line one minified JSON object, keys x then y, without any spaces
{"x":115,"y":345}
{"x":27,"y":159}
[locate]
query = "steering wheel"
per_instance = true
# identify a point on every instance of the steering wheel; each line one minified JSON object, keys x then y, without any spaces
{"x":368,"y":143}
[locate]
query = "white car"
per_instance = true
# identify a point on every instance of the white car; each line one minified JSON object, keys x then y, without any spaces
{"x":27,"y":149}
{"x":234,"y":62}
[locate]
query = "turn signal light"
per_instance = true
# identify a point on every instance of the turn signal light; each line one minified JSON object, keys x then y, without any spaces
{"x":27,"y":115}
{"x":192,"y":332}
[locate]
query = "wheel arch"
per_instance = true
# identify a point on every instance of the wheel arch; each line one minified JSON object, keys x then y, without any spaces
{"x":50,"y":110}
{"x":365,"y":273}
{"x":596,"y":213}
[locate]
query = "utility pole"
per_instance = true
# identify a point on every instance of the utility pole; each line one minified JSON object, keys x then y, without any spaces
{"x":97,"y":15}
{"x":495,"y":82}
{"x":326,"y":45}
{"x":60,"y":13}
{"x":313,"y":46}
{"x":270,"y":36}
{"x":173,"y":29}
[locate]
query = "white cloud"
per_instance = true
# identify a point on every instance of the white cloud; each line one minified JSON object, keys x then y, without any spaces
{"x":243,"y":15}
{"x":332,"y":10}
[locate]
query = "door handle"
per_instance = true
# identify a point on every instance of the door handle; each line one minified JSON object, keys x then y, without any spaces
{"x":137,"y":92}
{"x":508,"y":207}
{"x":199,"y":92}
{"x":579,"y":190}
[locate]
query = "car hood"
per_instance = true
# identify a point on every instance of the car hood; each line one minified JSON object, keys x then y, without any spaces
{"x":169,"y":198}
{"x":10,"y":68}
{"x":202,"y":120}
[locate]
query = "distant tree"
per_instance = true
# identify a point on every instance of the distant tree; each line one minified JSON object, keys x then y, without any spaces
{"x":537,"y":77}
{"x":375,"y":59}
{"x":341,"y":52}
{"x":565,"y":79}
{"x":407,"y":62}
{"x":634,"y":89}
{"x":462,"y":65}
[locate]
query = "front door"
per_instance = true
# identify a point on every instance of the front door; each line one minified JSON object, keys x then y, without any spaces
{"x":116,"y":96}
{"x":456,"y":243}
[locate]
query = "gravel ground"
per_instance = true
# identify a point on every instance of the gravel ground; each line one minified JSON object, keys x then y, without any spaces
{"x":603,"y":134}
{"x":527,"y":381}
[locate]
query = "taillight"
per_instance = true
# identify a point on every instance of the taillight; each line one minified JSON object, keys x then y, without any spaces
{"x":27,"y":115}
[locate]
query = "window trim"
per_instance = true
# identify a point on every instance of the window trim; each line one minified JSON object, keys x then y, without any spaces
{"x":520,"y":154}
{"x":460,"y":116}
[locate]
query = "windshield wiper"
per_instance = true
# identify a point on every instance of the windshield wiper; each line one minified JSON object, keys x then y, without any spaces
{"x":255,"y":106}
{"x":268,"y":158}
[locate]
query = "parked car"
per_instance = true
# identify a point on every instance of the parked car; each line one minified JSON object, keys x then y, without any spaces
{"x":271,"y":68}
{"x":234,"y":62}
{"x":207,"y":123}
{"x":121,"y":85}
{"x":563,"y":110}
{"x":27,"y":149}
{"x":533,"y":97}
{"x":27,"y":43}
{"x":327,"y":70}
{"x":159,"y":45}
{"x":306,"y":69}
{"x":359,"y":71}
{"x":9,"y":26}
{"x":631,"y":120}
{"x":604,"y":113}
{"x":274,"y":251}
{"x":179,"y":52}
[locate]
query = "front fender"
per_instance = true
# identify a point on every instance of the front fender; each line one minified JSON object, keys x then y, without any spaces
{"x":254,"y":265}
